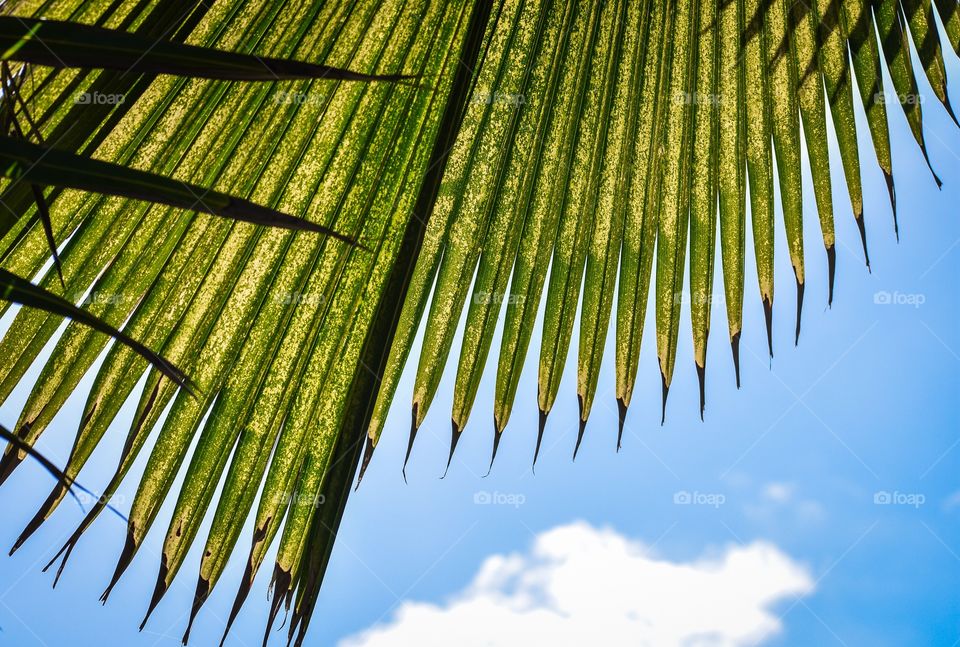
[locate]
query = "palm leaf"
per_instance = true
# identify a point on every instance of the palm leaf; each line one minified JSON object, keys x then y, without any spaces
{"x":575,"y":145}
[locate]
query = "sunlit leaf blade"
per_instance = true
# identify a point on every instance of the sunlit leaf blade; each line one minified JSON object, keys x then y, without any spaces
{"x":513,"y":46}
{"x":295,"y":264}
{"x":575,"y":227}
{"x":838,"y":81}
{"x":896,"y":52}
{"x":731,"y":167}
{"x":435,"y":235}
{"x":813,"y":115}
{"x":603,"y":252}
{"x":860,"y":31}
{"x":673,"y":224}
{"x":923,"y":28}
{"x":703,"y":190}
{"x":759,"y":161}
{"x":473,"y":210}
{"x":216,"y":438}
{"x":950,"y":16}
{"x":782,"y":81}
{"x":540,"y":227}
{"x":512,"y":209}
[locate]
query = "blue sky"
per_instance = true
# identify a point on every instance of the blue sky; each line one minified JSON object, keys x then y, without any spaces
{"x":787,"y":480}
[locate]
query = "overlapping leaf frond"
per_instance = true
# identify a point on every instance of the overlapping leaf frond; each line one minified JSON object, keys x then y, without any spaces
{"x":562,"y":153}
{"x":602,"y":161}
{"x":269,"y":324}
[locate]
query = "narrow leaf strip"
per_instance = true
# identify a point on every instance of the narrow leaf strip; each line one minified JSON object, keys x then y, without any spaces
{"x":61,"y":44}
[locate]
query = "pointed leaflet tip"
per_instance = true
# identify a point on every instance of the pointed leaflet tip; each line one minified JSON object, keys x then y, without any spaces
{"x":949,"y":107}
{"x":126,"y":556}
{"x":926,"y":157}
{"x":203,"y":590}
{"x":496,"y":445}
{"x":367,"y":455}
{"x":65,"y":550}
{"x":796,"y":338}
{"x":158,"y":591}
{"x":245,"y":584}
{"x":11,"y":457}
{"x":666,"y":390}
{"x":542,"y":423}
{"x":735,"y":349}
{"x":621,"y":419}
{"x":831,"y":272}
{"x":861,"y":227}
{"x":768,"y":319}
{"x":58,"y":491}
{"x":281,"y":582}
{"x":454,"y":439}
{"x":413,"y":435}
{"x":581,"y":427}
{"x":892,"y":192}
{"x":701,"y":378}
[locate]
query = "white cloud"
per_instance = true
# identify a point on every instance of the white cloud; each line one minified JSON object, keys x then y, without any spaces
{"x":779,"y":502}
{"x":952,"y":502}
{"x":778,"y":492}
{"x":579,"y":585}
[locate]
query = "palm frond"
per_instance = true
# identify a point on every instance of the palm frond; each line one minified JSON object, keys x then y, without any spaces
{"x":555,"y":154}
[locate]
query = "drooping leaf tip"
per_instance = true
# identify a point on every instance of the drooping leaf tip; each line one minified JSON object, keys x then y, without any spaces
{"x":701,"y":380}
{"x":454,"y":439}
{"x":831,"y":272}
{"x":800,"y":288}
{"x":735,"y":350}
{"x":621,"y":420}
{"x":768,"y":320}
